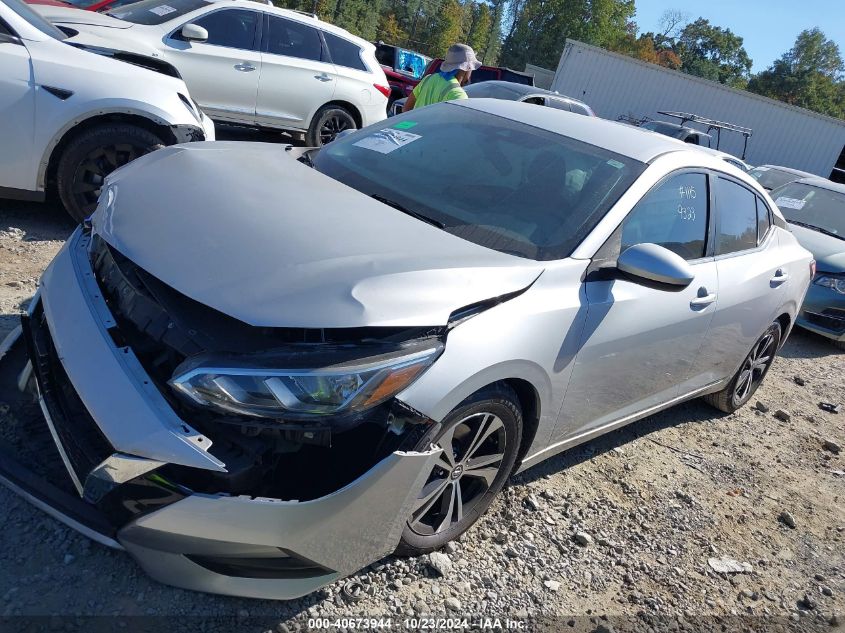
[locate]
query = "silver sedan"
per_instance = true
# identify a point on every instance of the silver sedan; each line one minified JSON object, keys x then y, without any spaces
{"x":265,"y":368}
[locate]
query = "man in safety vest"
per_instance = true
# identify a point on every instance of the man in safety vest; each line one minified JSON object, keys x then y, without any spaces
{"x":445,"y":84}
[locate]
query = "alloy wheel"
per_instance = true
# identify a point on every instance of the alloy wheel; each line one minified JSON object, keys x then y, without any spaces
{"x":332,"y":126}
{"x":473,"y":450}
{"x":92,"y":171}
{"x":754,"y":368}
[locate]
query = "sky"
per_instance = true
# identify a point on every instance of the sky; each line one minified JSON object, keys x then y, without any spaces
{"x":768,"y":27}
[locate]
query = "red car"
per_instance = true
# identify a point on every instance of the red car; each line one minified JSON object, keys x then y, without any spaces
{"x":89,"y":5}
{"x":403,"y":69}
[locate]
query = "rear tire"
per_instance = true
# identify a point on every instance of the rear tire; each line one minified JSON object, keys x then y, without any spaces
{"x":91,"y":156}
{"x":327,"y":123}
{"x":484,"y":433}
{"x":751,"y":373}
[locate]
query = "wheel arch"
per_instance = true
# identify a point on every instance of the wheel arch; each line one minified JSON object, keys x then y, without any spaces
{"x":786,"y":322}
{"x":79,"y":125}
{"x":529,"y":403}
{"x":346,"y":105}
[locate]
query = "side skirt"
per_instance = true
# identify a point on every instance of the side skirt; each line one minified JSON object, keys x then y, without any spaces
{"x":586,"y":436}
{"x":22,"y":194}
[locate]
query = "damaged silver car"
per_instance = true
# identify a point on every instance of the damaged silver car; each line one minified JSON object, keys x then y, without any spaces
{"x":257,"y":369}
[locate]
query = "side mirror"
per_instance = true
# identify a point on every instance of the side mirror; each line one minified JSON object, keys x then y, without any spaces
{"x":654,"y":263}
{"x":194,"y":33}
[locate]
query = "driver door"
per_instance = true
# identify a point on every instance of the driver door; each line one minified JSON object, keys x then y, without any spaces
{"x":640,"y":339}
{"x":222,"y":72}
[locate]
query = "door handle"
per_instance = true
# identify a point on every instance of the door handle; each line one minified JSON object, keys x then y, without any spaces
{"x":323,"y":77}
{"x":703,"y":299}
{"x":779,"y":277}
{"x":244,"y":67}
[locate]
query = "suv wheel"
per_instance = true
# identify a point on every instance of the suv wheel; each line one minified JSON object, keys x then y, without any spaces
{"x":327,"y":124}
{"x":480,"y":440}
{"x":750,"y":374}
{"x":91,"y":156}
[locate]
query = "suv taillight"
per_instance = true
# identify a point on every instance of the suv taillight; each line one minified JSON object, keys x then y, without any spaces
{"x":385,"y":90}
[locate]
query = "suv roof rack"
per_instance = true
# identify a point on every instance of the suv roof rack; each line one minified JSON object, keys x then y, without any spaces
{"x":307,"y":13}
{"x":712,"y":124}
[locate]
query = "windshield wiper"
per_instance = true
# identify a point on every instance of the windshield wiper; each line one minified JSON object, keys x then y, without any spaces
{"x":407,"y":211}
{"x":813,"y":227}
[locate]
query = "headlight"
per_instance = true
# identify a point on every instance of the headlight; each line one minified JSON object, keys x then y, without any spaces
{"x":837,"y":284}
{"x":349,"y":387}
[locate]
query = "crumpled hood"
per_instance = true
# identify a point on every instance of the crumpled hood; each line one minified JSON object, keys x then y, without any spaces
{"x":252,"y":232}
{"x":828,"y":251}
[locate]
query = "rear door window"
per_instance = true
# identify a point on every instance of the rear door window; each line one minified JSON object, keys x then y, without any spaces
{"x":674,"y":215}
{"x":293,"y":39}
{"x":737,"y":217}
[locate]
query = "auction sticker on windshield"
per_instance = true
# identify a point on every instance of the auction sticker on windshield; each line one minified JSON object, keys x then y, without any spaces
{"x":790,"y":203}
{"x":162,"y":10}
{"x":387,"y":140}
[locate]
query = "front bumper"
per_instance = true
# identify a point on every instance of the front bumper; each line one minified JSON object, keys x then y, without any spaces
{"x":823,"y":312}
{"x":111,"y":429}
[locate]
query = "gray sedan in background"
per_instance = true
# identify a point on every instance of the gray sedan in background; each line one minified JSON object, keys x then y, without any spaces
{"x":773,"y":176}
{"x":309,"y":359}
{"x":511,"y":91}
{"x":815,"y":210}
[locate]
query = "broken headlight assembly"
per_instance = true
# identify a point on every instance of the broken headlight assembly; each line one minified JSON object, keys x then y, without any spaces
{"x":829,"y":280}
{"x":302,"y":392}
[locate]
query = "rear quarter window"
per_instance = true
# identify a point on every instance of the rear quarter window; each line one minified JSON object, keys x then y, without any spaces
{"x":344,"y":53}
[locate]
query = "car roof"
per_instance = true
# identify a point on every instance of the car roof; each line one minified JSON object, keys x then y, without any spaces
{"x":499,"y":88}
{"x":298,"y":16}
{"x":625,"y":140}
{"x":822,"y":183}
{"x":789,"y":170}
{"x":719,"y":153}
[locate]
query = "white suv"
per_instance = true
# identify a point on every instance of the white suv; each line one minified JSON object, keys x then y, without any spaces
{"x":249,"y":63}
{"x":69,"y":117}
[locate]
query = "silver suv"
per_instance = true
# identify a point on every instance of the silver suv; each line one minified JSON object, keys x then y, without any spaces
{"x":271,"y":378}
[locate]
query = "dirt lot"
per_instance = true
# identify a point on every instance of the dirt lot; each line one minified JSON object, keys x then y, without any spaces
{"x":614,"y":535}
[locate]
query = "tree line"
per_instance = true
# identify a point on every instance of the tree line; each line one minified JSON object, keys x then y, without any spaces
{"x":512,"y":33}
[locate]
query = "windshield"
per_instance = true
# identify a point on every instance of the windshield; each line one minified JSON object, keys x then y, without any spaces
{"x":489,"y":180}
{"x":771,"y":178}
{"x":34,"y":19}
{"x":814,"y":207}
{"x":493,"y":90}
{"x":154,"y":12}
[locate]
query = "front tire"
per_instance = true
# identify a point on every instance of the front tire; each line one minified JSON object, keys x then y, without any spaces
{"x":328,"y":122}
{"x":480,"y":440}
{"x":94,"y":154}
{"x":751,"y":373}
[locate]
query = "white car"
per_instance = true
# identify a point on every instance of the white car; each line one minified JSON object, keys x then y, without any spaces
{"x":249,"y":63}
{"x":69,"y":117}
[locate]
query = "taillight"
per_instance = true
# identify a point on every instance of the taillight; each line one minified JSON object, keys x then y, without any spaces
{"x":813,"y":269}
{"x":385,"y":90}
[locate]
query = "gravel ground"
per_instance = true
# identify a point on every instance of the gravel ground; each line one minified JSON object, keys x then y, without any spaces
{"x":622,"y":534}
